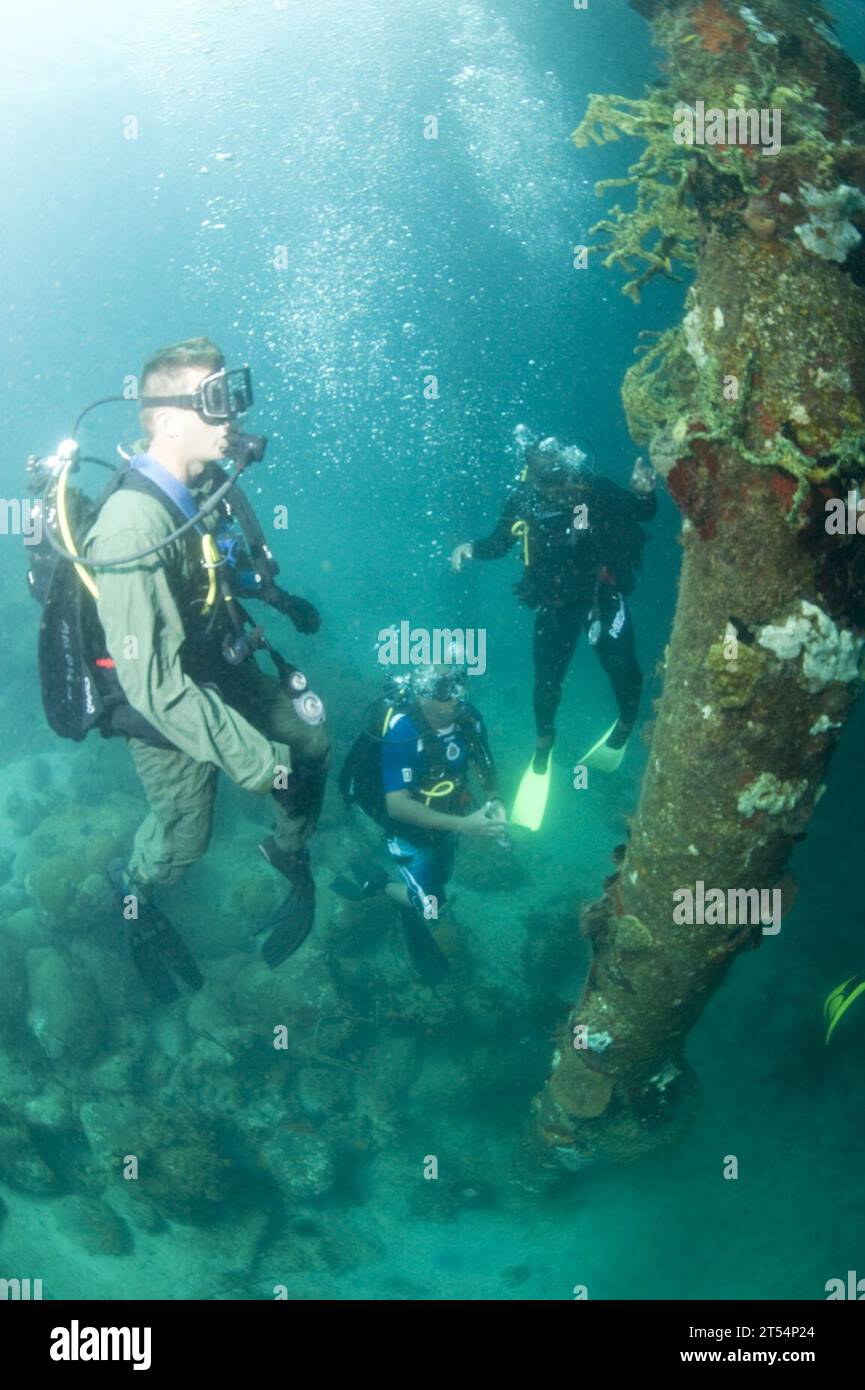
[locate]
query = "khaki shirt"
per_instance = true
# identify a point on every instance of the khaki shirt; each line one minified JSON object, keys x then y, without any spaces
{"x":137,"y":602}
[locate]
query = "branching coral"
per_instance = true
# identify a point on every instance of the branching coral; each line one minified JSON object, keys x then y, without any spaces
{"x":751,"y":145}
{"x":658,"y":386}
{"x":659,"y":177}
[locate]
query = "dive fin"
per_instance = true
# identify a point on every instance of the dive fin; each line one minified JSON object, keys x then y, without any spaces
{"x":839,"y":1001}
{"x":346,"y":887}
{"x":427,"y":957}
{"x":158,"y":951}
{"x":290,"y":925}
{"x":367,"y":883}
{"x":531,"y":801}
{"x":601,"y":757}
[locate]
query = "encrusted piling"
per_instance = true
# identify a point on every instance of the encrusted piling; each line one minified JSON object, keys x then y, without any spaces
{"x":752,"y":409}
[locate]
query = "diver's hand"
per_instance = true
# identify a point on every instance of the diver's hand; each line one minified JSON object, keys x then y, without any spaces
{"x":643,"y":478}
{"x":479,"y":824}
{"x":305,"y":618}
{"x":461,"y":554}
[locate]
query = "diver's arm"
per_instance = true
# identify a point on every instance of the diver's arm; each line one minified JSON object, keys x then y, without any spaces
{"x":502,"y":539}
{"x":401,"y":806}
{"x":144,"y":634}
{"x":482,"y":759}
{"x":627,"y":502}
{"x":303,"y":614}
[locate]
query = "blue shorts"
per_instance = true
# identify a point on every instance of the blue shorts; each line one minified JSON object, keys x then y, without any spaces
{"x":425,"y":869}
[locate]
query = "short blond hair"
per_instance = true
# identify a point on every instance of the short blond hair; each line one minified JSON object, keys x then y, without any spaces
{"x":163,"y":374}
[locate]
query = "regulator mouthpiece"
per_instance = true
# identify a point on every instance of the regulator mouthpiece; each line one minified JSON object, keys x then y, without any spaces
{"x":246,"y":448}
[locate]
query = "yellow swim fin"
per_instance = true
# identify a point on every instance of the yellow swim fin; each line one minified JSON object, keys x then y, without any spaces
{"x":602,"y":758}
{"x":838,"y":1002}
{"x":531,"y":799}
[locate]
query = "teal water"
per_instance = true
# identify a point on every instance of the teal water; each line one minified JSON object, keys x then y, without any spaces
{"x":259,"y":127}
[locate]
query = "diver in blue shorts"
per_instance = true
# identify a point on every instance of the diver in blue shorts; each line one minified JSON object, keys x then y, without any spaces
{"x":408,"y":770}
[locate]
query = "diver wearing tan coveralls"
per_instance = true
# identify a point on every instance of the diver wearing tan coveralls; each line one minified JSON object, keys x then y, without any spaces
{"x":187,"y":709}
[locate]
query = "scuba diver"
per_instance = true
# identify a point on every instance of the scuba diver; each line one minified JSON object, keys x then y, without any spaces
{"x":408,"y":771}
{"x":162,"y":652}
{"x":582,"y":543}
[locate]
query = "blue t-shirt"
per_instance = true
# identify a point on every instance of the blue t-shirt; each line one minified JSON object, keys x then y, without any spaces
{"x":404,"y":765}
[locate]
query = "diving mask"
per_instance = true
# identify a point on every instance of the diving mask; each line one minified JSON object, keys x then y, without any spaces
{"x":552,"y":465}
{"x":440,"y":683}
{"x":221,"y":396}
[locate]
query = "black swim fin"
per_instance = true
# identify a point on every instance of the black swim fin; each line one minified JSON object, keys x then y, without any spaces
{"x":427,"y":957}
{"x":290,"y":925}
{"x":292,"y":922}
{"x":158,"y":951}
{"x":367,"y":883}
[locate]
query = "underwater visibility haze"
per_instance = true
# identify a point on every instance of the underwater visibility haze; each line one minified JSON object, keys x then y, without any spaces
{"x":372,"y":955}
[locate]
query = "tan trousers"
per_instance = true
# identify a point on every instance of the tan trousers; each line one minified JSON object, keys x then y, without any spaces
{"x":181,"y":791}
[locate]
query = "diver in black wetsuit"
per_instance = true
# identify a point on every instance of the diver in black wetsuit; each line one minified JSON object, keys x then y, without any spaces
{"x":581,"y":540}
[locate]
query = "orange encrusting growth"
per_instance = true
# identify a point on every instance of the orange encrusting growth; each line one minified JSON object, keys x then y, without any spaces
{"x":718,"y":29}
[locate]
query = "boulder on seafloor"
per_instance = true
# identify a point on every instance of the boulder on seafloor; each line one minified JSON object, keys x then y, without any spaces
{"x":487,"y":867}
{"x":210,"y":1015}
{"x":131,"y":1207}
{"x":180,"y":1169}
{"x":13,"y":991}
{"x":26,"y":927}
{"x":301,"y":1165}
{"x":21,"y":1165}
{"x":53,"y":1110}
{"x":322,"y":1092}
{"x":92,"y":1225}
{"x":264,"y":998}
{"x":391,"y":1064}
{"x":110,"y":1128}
{"x":357,"y":928}
{"x":64,"y":861}
{"x":113,"y":1074}
{"x":108,"y":963}
{"x":64,"y":1014}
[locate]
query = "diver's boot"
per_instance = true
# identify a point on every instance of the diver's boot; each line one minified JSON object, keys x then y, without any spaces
{"x":158,"y":952}
{"x":427,"y":957}
{"x":607,"y":754}
{"x":620,"y":735}
{"x":540,"y":761}
{"x":367,"y":883}
{"x":292,"y":922}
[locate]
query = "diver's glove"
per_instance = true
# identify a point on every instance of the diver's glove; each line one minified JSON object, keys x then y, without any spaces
{"x":305,"y":617}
